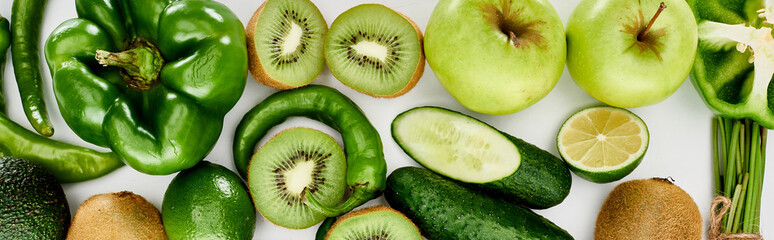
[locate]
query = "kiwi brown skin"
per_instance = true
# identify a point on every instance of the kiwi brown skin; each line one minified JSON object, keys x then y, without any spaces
{"x":417,"y":72}
{"x":365,"y":211}
{"x":253,"y":62}
{"x":121,"y":215}
{"x":420,"y":66}
{"x":648,"y":209}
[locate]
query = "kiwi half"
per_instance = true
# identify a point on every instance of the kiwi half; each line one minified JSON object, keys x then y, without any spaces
{"x":285,"y":43}
{"x":121,"y":215}
{"x":375,"y":50}
{"x":294,"y":160}
{"x":374,"y":223}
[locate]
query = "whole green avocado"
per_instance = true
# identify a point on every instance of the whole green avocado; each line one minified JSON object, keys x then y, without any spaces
{"x":32,"y":203}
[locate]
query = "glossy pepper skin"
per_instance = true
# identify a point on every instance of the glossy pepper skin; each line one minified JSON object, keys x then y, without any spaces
{"x":723,"y":76}
{"x":166,"y":114}
{"x":5,"y":42}
{"x":26,"y":18}
{"x":67,"y":162}
{"x":366,"y":167}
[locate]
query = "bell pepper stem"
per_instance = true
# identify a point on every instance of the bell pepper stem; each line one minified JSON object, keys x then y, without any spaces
{"x":359,"y":196}
{"x":141,"y":63}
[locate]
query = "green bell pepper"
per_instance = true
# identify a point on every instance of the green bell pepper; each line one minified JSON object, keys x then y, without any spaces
{"x":735,"y":58}
{"x":159,"y":103}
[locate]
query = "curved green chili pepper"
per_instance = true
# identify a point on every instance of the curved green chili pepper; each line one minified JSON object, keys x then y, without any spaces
{"x":5,"y":42}
{"x":26,"y":17}
{"x":366,"y":167}
{"x":68,"y":163}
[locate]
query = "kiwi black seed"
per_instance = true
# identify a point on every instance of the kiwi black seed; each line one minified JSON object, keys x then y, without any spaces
{"x":375,"y":50}
{"x":374,"y":223}
{"x":285,"y":43}
{"x":294,"y":160}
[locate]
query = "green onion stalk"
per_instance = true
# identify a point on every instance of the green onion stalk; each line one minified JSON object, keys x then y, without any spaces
{"x":739,"y":158}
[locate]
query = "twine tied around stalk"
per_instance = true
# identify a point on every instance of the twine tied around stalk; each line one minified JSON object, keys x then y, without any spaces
{"x":716,"y":217}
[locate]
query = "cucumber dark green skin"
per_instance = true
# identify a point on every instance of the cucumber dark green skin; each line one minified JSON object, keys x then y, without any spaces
{"x":443,"y":209}
{"x":542,"y":180}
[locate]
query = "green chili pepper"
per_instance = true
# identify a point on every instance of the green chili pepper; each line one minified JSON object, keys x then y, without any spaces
{"x":150,"y":79}
{"x":324,"y":227}
{"x":26,"y":17}
{"x":366,"y":167}
{"x":5,"y":42}
{"x":67,"y":162}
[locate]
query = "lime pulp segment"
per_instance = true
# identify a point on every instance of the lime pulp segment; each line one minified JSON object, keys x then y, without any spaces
{"x":603,"y":144}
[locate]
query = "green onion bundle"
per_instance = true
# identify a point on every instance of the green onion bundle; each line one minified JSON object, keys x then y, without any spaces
{"x":739,"y":158}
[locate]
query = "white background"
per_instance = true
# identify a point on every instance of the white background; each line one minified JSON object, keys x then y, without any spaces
{"x":679,"y":129}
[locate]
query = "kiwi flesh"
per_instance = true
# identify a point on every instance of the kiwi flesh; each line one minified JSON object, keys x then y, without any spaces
{"x":121,"y":215}
{"x":285,"y":43}
{"x":648,"y":209}
{"x":292,"y":161}
{"x":374,"y":223}
{"x":375,"y":50}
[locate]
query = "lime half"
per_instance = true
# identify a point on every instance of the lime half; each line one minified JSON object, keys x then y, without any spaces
{"x":603,"y":144}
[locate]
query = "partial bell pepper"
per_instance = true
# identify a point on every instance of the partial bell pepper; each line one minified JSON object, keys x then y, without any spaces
{"x":735,"y":58}
{"x":150,"y":79}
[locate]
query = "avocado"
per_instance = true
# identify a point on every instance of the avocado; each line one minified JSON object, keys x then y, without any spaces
{"x":32,"y":203}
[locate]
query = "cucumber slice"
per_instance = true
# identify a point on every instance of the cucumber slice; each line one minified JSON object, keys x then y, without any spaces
{"x":455,"y":145}
{"x":470,"y":151}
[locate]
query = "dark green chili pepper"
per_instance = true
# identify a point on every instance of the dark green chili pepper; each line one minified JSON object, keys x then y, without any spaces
{"x":68,"y":163}
{"x":366,"y":167}
{"x":5,"y":42}
{"x":324,"y":227}
{"x":26,"y":17}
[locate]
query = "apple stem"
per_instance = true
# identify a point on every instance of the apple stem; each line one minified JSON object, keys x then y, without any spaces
{"x":513,"y":39}
{"x":652,"y":20}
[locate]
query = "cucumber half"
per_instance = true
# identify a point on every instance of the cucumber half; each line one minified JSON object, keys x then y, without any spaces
{"x":456,"y":146}
{"x":470,"y":151}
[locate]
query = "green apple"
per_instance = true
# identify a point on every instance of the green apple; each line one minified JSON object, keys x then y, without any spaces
{"x":616,"y":58}
{"x":496,"y":56}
